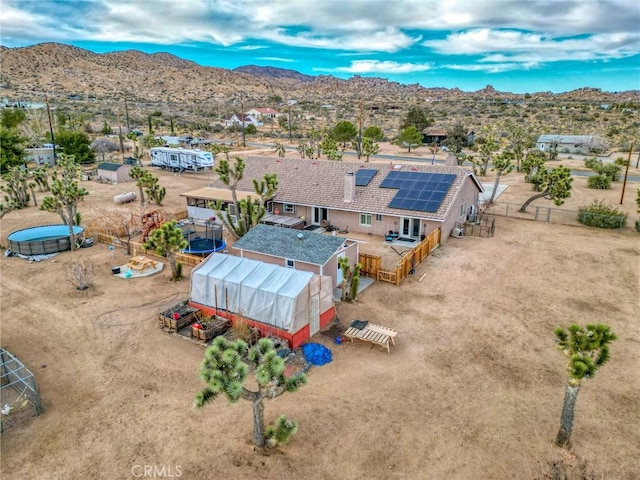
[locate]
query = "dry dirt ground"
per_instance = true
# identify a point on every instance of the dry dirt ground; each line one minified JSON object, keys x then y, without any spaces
{"x":473,"y":388}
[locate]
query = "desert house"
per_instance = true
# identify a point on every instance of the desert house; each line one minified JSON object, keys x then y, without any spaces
{"x":40,"y":156}
{"x":237,"y":119}
{"x":264,"y":113}
{"x":300,"y":249}
{"x":412,"y":200}
{"x":114,"y":172}
{"x":431,"y":136}
{"x":565,"y":143}
{"x":280,"y":301}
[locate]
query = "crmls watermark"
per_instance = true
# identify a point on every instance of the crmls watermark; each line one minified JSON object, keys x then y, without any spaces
{"x":156,"y":471}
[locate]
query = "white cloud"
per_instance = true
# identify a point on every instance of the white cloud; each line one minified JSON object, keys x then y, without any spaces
{"x":276,"y":59}
{"x":377,"y":66}
{"x":252,"y":47}
{"x":523,"y":47}
{"x":490,"y":67}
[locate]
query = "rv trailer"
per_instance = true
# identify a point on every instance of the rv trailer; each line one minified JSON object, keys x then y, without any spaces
{"x":180,"y":159}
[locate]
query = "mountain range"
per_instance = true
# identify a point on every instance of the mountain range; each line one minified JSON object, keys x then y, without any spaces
{"x":61,"y":70}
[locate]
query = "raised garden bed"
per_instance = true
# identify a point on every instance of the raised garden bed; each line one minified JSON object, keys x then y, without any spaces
{"x":251,"y":335}
{"x":207,"y":329}
{"x":178,"y":317}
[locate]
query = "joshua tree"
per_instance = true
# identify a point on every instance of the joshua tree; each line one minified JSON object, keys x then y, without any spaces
{"x":503,"y":166}
{"x":224,"y":372}
{"x":141,"y":177}
{"x":66,"y":193}
{"x":369,"y":147}
{"x":279,"y":149}
{"x":166,"y":241}
{"x":555,"y":185}
{"x":586,"y":349}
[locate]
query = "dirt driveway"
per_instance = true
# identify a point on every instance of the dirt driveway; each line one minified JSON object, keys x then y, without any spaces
{"x":473,"y":388}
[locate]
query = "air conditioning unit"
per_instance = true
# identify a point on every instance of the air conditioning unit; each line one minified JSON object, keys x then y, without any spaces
{"x":457,"y":233}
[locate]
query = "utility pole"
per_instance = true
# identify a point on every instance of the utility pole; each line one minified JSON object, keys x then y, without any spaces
{"x":53,"y":140}
{"x":126,"y":112}
{"x":626,"y":172}
{"x":121,"y":139}
{"x":244,"y":143}
{"x":360,"y":122}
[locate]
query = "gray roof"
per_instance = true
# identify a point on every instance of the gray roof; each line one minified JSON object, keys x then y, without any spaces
{"x":299,"y":245}
{"x":573,"y":139}
{"x":320,"y":183}
{"x":112,"y":167}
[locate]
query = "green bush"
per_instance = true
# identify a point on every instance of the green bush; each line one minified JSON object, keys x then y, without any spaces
{"x":592,"y":163}
{"x":611,"y":170}
{"x":601,"y":215}
{"x":623,"y":162}
{"x":599,"y":182}
{"x":637,"y":225}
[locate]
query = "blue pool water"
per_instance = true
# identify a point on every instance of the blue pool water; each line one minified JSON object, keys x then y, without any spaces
{"x":42,"y":240}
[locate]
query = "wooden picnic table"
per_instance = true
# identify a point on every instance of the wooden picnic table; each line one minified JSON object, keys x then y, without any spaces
{"x":141,"y":262}
{"x":372,"y":333}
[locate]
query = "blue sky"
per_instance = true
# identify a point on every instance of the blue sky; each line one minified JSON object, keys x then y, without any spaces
{"x":514,"y":45}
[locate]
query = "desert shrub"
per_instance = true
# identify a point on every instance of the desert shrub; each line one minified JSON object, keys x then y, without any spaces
{"x":637,"y":225}
{"x":80,"y":273}
{"x":599,"y":182}
{"x":179,"y":266}
{"x":592,"y":163}
{"x":281,"y":432}
{"x":611,"y":170}
{"x":601,"y":215}
{"x":623,"y":162}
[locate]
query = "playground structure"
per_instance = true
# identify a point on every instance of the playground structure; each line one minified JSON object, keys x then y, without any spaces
{"x":204,"y":236}
{"x":150,"y":221}
{"x":18,"y":390}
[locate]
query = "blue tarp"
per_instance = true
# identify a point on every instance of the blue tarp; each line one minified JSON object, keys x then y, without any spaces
{"x":316,"y":354}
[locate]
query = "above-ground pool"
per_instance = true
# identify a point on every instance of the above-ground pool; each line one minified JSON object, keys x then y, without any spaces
{"x":42,"y":240}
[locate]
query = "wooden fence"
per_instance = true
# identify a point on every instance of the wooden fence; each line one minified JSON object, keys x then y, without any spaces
{"x":411,"y":259}
{"x":370,"y":265}
{"x":138,"y":249}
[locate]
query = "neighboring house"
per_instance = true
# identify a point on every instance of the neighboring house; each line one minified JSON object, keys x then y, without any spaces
{"x":433,"y":135}
{"x":360,"y":197}
{"x":236,"y":119}
{"x":114,"y":172}
{"x":299,"y":249}
{"x":40,"y":156}
{"x":565,"y":143}
{"x":264,"y":113}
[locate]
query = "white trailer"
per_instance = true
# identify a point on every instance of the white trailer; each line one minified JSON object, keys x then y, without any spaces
{"x":181,"y":159}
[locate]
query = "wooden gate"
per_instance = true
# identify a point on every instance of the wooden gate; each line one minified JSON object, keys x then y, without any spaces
{"x":412,"y":259}
{"x":370,"y":265}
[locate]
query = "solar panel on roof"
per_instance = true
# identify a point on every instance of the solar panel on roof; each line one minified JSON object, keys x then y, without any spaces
{"x":364,"y":176}
{"x":418,"y":191}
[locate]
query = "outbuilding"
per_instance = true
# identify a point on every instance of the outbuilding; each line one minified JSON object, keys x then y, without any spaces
{"x":280,"y":301}
{"x":299,"y":249}
{"x":114,"y":172}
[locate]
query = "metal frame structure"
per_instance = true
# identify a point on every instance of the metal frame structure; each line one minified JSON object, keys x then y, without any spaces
{"x":13,"y":374}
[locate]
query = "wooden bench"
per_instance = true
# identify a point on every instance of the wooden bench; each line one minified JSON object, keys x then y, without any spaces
{"x":371,"y":333}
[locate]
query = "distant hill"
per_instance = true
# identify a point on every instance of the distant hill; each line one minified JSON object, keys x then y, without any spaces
{"x":65,"y":71}
{"x":274,"y":72}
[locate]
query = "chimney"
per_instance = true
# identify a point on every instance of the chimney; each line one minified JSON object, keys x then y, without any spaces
{"x":349,"y":187}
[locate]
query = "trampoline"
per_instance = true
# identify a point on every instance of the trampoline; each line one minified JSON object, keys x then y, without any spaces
{"x":42,"y":240}
{"x":203,"y":238}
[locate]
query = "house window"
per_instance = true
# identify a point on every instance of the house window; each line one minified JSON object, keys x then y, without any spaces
{"x":288,"y":208}
{"x":463,"y":209}
{"x":365,"y":219}
{"x":378,"y":217}
{"x":289,"y":263}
